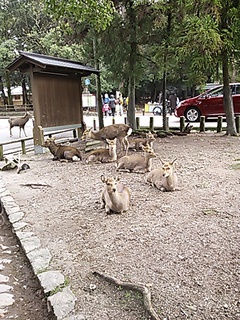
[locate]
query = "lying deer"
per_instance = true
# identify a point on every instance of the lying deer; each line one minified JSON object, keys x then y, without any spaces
{"x":163,"y":178}
{"x":19,"y":122}
{"x":115,"y":197}
{"x":62,"y":152}
{"x":104,"y":155}
{"x":139,"y":142}
{"x":137,"y":162}
{"x":119,"y":131}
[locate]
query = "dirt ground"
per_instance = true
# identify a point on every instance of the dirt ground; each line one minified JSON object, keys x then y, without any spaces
{"x":184,"y":243}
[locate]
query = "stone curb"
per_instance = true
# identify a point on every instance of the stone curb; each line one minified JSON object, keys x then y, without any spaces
{"x":60,"y":298}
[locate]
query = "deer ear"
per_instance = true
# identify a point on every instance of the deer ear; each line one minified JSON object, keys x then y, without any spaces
{"x":103,"y":178}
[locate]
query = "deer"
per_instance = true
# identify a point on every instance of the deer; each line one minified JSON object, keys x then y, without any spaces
{"x":115,"y":197}
{"x":19,"y":122}
{"x":104,"y":155}
{"x":136,"y":162}
{"x":139,"y":142}
{"x":119,"y":131}
{"x":60,"y":152}
{"x":164,"y":178}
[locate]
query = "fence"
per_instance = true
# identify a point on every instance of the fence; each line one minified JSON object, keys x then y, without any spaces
{"x":151,"y":127}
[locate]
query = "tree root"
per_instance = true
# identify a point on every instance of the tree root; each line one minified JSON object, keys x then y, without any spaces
{"x":35,"y":185}
{"x":143,"y":289}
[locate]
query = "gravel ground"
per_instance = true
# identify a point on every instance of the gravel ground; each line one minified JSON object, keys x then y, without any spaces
{"x":184,"y":243}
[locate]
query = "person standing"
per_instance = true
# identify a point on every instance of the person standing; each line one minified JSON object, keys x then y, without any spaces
{"x":112,"y":104}
{"x":172,"y":102}
{"x":120,"y":102}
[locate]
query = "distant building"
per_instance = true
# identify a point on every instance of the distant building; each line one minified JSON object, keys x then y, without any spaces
{"x":17,"y":97}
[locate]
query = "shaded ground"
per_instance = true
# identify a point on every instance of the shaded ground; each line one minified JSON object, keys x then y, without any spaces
{"x":27,"y":297}
{"x":184,"y":243}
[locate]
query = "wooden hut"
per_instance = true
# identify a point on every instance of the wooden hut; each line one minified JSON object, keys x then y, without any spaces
{"x":56,"y":92}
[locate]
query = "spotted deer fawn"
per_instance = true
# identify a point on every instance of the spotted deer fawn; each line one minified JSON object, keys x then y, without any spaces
{"x":115,"y":197}
{"x":164,"y":178}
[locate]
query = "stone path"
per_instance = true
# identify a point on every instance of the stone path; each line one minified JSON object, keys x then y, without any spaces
{"x":23,"y":259}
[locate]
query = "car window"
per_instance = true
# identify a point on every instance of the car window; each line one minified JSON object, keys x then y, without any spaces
{"x":237,"y":89}
{"x":216,"y":93}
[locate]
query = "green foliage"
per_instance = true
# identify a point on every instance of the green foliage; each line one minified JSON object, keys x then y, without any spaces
{"x":97,"y":14}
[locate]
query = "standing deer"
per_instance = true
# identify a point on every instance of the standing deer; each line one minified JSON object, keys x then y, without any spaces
{"x":104,"y":155}
{"x":137,"y":162}
{"x":62,"y":152}
{"x":19,"y":122}
{"x":163,"y":178}
{"x":115,"y":197}
{"x":119,"y":131}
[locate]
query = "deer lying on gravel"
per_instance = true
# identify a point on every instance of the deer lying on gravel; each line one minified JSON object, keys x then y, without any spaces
{"x":139,"y":142}
{"x":136,"y":162}
{"x":19,"y":122}
{"x":119,"y":131}
{"x":62,"y":152}
{"x":104,"y":155}
{"x":163,"y":178}
{"x":115,"y":197}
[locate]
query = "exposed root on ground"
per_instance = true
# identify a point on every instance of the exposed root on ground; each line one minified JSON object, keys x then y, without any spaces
{"x":143,"y":289}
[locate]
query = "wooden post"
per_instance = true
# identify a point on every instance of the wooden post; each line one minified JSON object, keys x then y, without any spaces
{"x":202,"y":124}
{"x":151,"y":124}
{"x":167,"y":123}
{"x":1,"y":152}
{"x":38,"y":137}
{"x":219,"y":123}
{"x":113,"y":120}
{"x":137,"y":122}
{"x":94,"y":124}
{"x":182,"y":123}
{"x":125,"y":120}
{"x":74,"y":133}
{"x":23,"y":146}
{"x":237,"y":121}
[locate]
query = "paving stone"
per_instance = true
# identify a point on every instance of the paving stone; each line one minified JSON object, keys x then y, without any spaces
{"x":63,"y":303}
{"x":30,"y":244}
{"x":5,"y":288}
{"x":4,"y":278}
{"x":50,"y":280}
{"x":14,"y":217}
{"x":19,"y":225}
{"x":40,"y":259}
{"x":6,"y":299}
{"x":76,"y":317}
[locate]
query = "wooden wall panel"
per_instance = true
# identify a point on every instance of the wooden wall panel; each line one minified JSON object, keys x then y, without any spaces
{"x":58,"y":100}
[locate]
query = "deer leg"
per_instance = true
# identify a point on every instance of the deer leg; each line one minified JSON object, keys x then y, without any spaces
{"x":24,"y":131}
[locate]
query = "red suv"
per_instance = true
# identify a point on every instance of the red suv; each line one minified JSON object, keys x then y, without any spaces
{"x":208,"y":104}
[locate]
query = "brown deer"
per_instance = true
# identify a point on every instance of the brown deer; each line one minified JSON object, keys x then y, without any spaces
{"x":104,"y":155}
{"x":19,"y":122}
{"x":62,"y":152}
{"x":119,"y":131}
{"x":115,"y":197}
{"x":139,"y":142}
{"x":137,"y":162}
{"x":163,"y":178}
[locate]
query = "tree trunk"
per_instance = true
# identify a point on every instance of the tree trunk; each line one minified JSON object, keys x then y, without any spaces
{"x":132,"y":64}
{"x":98,"y":85}
{"x":227,"y":98}
{"x":5,"y":101}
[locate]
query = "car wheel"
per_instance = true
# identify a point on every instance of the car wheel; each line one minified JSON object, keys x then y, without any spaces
{"x":157,"y":111}
{"x":192,"y":114}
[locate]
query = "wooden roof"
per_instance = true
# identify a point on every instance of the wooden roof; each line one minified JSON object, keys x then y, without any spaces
{"x":47,"y":64}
